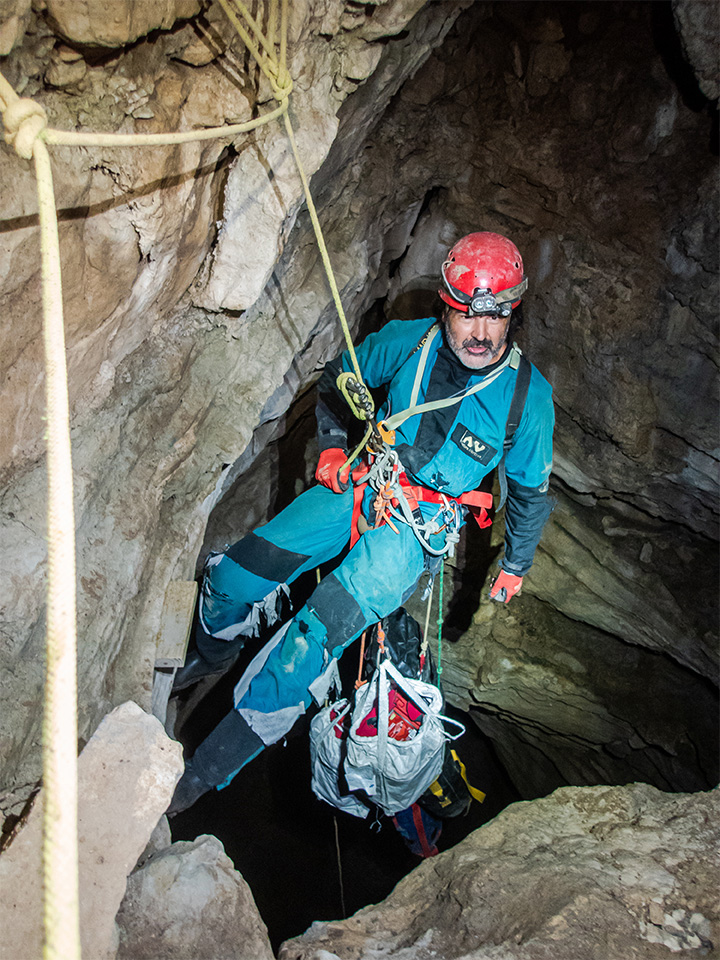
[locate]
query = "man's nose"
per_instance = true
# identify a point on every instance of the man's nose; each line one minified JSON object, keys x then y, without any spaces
{"x":480,"y":328}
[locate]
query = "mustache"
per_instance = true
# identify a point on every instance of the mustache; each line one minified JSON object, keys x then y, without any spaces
{"x":474,"y":342}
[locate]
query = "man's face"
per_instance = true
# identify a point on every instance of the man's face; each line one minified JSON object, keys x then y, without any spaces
{"x":476,"y":341}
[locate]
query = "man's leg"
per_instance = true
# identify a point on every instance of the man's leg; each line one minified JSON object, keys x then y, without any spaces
{"x":242,"y":588}
{"x":375,"y":578}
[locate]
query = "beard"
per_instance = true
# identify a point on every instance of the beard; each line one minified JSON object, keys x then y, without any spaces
{"x":475,"y":360}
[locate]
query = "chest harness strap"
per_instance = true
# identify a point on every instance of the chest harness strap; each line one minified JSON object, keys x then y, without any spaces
{"x":392,"y":423}
{"x":517,"y":405}
{"x":398,"y":499}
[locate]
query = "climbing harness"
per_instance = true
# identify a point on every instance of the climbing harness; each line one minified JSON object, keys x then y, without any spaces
{"x":396,"y":499}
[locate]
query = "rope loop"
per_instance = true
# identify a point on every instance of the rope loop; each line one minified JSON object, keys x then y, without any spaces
{"x":24,"y":120}
{"x":281,"y":82}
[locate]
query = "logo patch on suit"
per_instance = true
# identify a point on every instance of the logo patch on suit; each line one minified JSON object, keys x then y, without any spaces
{"x":473,"y":446}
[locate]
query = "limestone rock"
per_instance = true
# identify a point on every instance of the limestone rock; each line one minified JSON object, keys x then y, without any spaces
{"x":96,"y":23}
{"x":699,"y":27}
{"x":187,"y":902}
{"x":584,"y":874}
{"x":64,"y":73}
{"x":126,"y":777}
{"x":14,"y":15}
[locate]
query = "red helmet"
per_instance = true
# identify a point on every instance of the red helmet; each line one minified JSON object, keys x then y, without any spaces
{"x":483,"y":275}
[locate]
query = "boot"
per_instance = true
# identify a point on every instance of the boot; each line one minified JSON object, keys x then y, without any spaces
{"x":189,"y":789}
{"x":216,"y":761}
{"x":197,"y":668}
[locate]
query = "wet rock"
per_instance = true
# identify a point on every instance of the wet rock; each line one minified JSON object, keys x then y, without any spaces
{"x":584,"y":874}
{"x":187,"y":902}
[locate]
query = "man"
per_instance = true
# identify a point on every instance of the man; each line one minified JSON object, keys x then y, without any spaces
{"x":456,"y":414}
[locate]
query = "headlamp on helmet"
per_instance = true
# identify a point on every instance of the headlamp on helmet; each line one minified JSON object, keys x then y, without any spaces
{"x":483,"y":276}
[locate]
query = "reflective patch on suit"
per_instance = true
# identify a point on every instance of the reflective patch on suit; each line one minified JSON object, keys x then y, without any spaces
{"x":271,"y":727}
{"x":473,"y":446}
{"x":263,"y":614}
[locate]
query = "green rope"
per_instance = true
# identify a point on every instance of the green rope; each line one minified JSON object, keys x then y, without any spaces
{"x":440,"y":617}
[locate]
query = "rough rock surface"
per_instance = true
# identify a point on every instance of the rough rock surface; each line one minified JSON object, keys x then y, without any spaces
{"x":187,"y":902}
{"x":584,"y":874}
{"x":126,"y":778}
{"x":560,"y":124}
{"x":573,"y":681}
{"x":699,"y":27}
{"x":95,"y":23}
{"x":135,"y":229}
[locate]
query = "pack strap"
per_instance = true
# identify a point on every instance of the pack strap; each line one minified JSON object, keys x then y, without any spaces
{"x":397,"y":419}
{"x":473,"y":791}
{"x":517,"y":406}
{"x":427,"y":850}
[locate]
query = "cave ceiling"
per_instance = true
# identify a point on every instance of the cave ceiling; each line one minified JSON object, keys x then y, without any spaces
{"x":198,"y":318}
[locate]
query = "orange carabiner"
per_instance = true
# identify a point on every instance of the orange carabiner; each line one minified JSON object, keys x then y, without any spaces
{"x":387,"y":434}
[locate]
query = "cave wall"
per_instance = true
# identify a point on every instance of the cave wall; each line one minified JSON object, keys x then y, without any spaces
{"x":166,"y":387}
{"x":197,"y":310}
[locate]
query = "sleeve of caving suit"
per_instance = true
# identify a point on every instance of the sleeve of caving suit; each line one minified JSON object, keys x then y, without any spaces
{"x":528,"y":464}
{"x":380,"y":356}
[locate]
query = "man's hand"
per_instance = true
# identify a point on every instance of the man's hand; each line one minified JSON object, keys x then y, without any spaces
{"x":329,"y":467}
{"x":505,"y":586}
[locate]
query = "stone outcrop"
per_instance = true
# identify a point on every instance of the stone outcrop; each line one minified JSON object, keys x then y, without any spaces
{"x":187,"y":902}
{"x":584,"y":874}
{"x":699,"y":29}
{"x":95,"y":23}
{"x":126,"y":778}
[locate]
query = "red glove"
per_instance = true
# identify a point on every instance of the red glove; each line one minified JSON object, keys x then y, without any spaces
{"x":505,"y":586}
{"x":328,"y":470}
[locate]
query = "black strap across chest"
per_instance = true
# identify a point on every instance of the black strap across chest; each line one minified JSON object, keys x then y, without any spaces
{"x":517,"y":405}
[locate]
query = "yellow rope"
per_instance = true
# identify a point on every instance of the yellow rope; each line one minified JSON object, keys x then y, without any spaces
{"x":323,"y":249}
{"x":67,"y":138}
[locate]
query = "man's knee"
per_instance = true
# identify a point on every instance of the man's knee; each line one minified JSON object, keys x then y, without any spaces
{"x":339,"y":613}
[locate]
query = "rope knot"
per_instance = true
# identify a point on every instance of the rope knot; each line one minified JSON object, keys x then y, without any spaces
{"x":24,"y":120}
{"x":281,"y":82}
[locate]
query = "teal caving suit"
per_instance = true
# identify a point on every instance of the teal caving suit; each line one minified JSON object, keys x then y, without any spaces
{"x":448,"y":449}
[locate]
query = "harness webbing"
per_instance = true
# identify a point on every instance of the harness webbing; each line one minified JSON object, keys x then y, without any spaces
{"x":517,"y":406}
{"x":393,"y":422}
